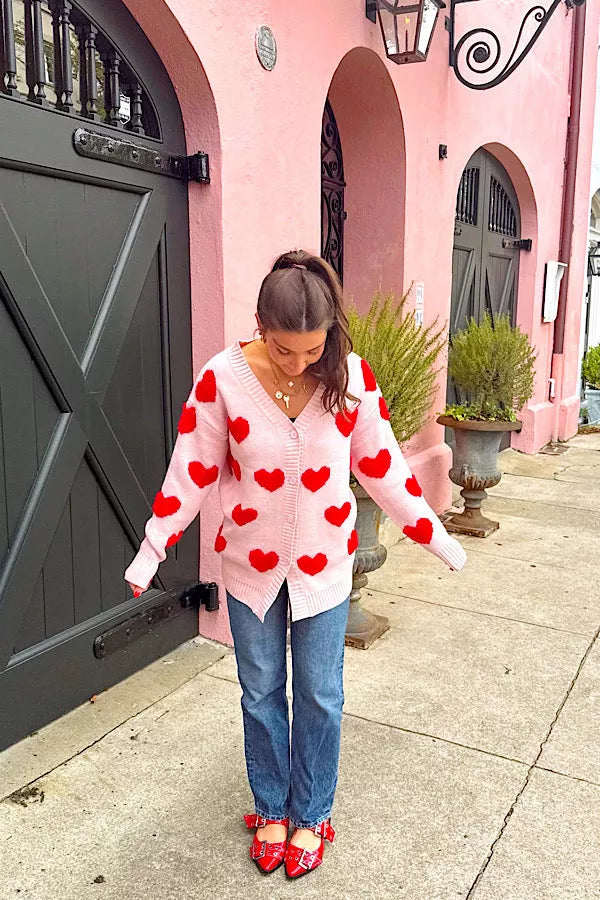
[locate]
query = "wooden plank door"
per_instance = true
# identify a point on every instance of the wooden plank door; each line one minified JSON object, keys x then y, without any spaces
{"x":95,"y":362}
{"x":484,"y":271}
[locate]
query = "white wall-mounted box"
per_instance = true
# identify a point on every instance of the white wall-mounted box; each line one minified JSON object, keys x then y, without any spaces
{"x":553,"y":277}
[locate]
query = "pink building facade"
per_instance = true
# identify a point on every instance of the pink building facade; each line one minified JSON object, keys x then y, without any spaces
{"x":262,"y":130}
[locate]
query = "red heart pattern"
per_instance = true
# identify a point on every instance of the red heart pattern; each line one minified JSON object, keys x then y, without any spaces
{"x":383,"y":409}
{"x":234,"y":466}
{"x":312,"y":565}
{"x":206,"y":389}
{"x":173,"y":539}
{"x":270,"y":481}
{"x":202,"y":476}
{"x":413,"y":487}
{"x":243,"y":516}
{"x":352,"y":542}
{"x":187,"y":420}
{"x":368,"y":377}
{"x":165,"y":506}
{"x":220,"y":542}
{"x":261,"y":561}
{"x":376,"y":466}
{"x":314,"y":480}
{"x":337,"y":515}
{"x":346,"y":421}
{"x":239,"y":428}
{"x":422,"y":532}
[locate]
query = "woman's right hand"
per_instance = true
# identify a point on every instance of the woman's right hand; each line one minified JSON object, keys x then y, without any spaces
{"x":137,"y":590}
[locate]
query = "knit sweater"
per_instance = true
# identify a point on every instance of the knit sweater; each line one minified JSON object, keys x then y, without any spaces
{"x":289,"y":512}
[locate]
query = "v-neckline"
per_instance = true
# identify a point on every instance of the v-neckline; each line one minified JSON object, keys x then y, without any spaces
{"x":246,"y":374}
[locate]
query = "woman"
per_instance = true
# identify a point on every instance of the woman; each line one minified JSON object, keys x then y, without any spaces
{"x":280,"y":421}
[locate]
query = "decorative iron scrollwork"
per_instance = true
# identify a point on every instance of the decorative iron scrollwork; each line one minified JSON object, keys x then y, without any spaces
{"x":332,"y":193}
{"x":477,"y":58}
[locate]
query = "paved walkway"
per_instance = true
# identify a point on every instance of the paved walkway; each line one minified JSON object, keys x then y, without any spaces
{"x":470,"y":763}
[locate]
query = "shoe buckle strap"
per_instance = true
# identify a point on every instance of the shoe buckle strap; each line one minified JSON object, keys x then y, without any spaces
{"x":306,"y":859}
{"x":259,"y":853}
{"x":325,"y":830}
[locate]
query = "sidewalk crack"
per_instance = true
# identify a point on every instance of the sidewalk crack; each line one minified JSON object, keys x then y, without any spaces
{"x":480,"y":874}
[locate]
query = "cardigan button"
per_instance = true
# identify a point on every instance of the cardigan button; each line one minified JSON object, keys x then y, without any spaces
{"x":293,"y":480}
{"x":293,"y":435}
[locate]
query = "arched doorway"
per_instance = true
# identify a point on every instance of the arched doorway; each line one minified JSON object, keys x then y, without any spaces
{"x":95,"y":354}
{"x":485,"y":262}
{"x":485,"y":256}
{"x":363,"y":177}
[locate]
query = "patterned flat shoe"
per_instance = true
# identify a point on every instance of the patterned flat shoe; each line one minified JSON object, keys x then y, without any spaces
{"x":299,"y":861}
{"x":268,"y":855}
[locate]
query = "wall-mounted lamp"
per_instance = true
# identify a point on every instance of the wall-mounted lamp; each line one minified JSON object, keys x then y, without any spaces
{"x":477,"y":57}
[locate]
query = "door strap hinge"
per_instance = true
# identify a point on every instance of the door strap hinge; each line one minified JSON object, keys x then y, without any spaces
{"x":522,"y":244}
{"x":143,"y":623}
{"x":94,"y":145}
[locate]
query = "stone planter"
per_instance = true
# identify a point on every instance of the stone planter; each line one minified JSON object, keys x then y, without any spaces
{"x":474,"y":468}
{"x":364,"y":627}
{"x":592,"y":403}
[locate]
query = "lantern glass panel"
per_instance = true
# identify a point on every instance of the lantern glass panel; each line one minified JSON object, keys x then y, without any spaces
{"x":430,"y":11}
{"x":399,"y":31}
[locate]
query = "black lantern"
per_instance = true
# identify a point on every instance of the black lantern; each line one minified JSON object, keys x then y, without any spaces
{"x":594,"y":261}
{"x":407,"y":28}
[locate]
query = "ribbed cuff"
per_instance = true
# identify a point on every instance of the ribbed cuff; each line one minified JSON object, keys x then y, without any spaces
{"x":143,"y":568}
{"x":452,"y":553}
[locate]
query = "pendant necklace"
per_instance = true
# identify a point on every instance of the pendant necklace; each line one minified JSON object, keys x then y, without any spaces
{"x":283,"y":395}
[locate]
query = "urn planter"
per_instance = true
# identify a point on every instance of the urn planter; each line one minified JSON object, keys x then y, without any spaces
{"x":365,"y":627}
{"x":474,"y":468}
{"x":592,"y":403}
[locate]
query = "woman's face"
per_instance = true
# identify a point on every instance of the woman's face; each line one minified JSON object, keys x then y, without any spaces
{"x":294,"y":351}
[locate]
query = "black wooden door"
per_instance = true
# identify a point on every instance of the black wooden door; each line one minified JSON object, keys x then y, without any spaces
{"x":484,"y":271}
{"x":95,"y":354}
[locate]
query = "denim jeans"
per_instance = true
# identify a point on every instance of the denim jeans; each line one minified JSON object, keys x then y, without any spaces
{"x":297,"y":781}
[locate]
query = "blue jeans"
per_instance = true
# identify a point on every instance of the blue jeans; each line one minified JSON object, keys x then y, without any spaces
{"x":301,"y":783}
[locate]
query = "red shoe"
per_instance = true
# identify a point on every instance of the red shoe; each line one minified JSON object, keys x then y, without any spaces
{"x":298,"y":861}
{"x":268,"y":855}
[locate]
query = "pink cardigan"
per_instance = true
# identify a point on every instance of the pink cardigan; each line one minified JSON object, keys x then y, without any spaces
{"x":284,"y":487}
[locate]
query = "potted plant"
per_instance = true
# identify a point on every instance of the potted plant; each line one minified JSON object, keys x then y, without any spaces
{"x":590,"y":371}
{"x":403,"y":357}
{"x":492,"y":366}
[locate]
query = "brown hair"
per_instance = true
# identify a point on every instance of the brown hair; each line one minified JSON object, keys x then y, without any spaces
{"x":310,"y":299}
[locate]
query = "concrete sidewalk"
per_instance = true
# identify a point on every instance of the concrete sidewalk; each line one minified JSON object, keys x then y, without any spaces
{"x":470,"y":763}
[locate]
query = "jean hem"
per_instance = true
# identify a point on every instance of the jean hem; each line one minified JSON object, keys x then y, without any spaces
{"x":314,"y":824}
{"x":264,"y":815}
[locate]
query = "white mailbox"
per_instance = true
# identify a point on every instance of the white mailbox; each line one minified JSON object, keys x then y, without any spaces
{"x":554,"y":273}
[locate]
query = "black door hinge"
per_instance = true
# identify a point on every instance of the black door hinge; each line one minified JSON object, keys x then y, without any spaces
{"x":205,"y":593}
{"x":522,"y":244}
{"x":119,"y":151}
{"x":141,"y":624}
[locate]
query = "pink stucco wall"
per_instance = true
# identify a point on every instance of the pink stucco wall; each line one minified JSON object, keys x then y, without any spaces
{"x":262,"y":130}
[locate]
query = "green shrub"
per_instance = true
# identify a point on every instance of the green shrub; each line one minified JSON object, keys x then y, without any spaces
{"x":492,"y":366}
{"x":403,"y":357}
{"x":591,"y":368}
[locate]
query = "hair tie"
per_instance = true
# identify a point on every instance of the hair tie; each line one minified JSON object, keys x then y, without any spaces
{"x":297,"y":266}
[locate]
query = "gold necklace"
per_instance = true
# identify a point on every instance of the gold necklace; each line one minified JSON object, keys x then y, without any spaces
{"x":282,"y":395}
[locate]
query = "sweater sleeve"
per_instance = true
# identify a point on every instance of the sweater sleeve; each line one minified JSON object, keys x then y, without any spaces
{"x":198,"y":457}
{"x":382,"y":471}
